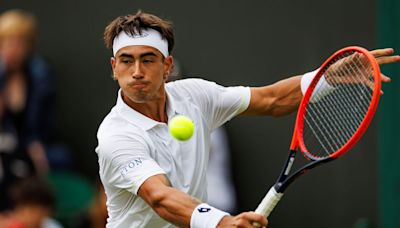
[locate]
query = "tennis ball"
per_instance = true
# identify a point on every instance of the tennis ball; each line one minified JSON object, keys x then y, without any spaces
{"x":181,"y":127}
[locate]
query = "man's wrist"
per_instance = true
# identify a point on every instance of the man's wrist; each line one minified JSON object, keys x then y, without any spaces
{"x":323,"y":86}
{"x":206,"y":216}
{"x":224,"y":220}
{"x":306,"y":80}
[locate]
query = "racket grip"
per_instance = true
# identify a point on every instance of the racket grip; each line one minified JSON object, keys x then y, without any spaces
{"x":269,"y":202}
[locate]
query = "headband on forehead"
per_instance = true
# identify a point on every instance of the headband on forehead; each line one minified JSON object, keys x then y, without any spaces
{"x":149,"y":37}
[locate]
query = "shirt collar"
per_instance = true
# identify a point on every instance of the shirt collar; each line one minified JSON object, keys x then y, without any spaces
{"x":133,"y":116}
{"x":172,"y":105}
{"x":142,"y":121}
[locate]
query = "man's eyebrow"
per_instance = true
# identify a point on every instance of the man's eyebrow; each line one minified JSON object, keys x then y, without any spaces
{"x":148,"y":54}
{"x":126,"y":55}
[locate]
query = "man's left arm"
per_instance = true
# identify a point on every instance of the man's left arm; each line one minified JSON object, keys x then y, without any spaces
{"x":283,"y":97}
{"x":278,"y":99}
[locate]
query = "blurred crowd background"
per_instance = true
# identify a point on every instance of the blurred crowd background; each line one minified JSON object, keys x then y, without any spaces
{"x":56,"y":87}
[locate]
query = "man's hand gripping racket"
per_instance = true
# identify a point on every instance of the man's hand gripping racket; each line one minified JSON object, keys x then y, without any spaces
{"x":334,"y":113}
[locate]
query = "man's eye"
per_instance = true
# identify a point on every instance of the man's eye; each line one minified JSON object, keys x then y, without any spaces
{"x":126,"y":61}
{"x":148,"y":61}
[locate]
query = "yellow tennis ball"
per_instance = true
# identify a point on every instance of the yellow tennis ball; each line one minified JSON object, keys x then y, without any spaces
{"x":181,"y":127}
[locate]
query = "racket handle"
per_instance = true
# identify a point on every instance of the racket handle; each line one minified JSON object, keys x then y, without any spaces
{"x":269,"y":202}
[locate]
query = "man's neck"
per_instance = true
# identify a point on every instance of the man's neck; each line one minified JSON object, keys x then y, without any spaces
{"x":154,"y":109}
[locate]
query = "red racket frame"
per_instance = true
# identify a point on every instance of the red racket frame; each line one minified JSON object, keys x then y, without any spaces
{"x":298,"y":142}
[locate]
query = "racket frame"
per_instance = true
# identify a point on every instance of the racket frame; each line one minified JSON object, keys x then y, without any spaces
{"x":285,"y":178}
{"x":298,"y":139}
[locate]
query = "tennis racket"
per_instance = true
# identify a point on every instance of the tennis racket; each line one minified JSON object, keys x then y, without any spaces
{"x":334,"y":113}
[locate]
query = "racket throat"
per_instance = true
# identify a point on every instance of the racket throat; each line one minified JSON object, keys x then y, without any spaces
{"x":286,"y":180}
{"x":285,"y":172}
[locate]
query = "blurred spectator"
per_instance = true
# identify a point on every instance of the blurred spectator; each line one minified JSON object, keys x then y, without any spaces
{"x":220,"y":188}
{"x":98,"y":210}
{"x":26,"y":101}
{"x":34,"y":203}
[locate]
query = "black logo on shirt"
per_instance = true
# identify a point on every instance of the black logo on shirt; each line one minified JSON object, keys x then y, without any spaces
{"x":204,"y":209}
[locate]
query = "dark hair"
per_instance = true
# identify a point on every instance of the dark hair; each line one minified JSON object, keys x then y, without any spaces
{"x":33,"y":191}
{"x":133,"y":24}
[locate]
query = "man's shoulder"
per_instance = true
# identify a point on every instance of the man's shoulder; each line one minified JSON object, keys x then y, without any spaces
{"x":191,"y":87}
{"x":114,"y":124}
{"x":116,"y":133}
{"x":191,"y":82}
{"x":40,"y":68}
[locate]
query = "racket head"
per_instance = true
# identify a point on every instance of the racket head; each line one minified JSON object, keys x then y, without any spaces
{"x":338,"y":105}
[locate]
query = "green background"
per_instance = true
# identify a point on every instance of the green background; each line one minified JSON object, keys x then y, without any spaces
{"x":389,"y":159}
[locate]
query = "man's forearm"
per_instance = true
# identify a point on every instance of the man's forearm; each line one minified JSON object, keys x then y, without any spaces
{"x":175,"y":206}
{"x":278,"y":99}
{"x":171,"y":204}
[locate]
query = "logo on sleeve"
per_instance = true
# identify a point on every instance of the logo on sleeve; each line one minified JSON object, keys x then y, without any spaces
{"x":131,"y":165}
{"x":204,"y":209}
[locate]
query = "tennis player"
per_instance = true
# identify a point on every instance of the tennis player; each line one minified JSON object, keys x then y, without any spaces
{"x":150,"y":179}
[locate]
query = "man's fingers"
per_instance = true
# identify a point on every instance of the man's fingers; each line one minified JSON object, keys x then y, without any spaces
{"x":385,"y":78}
{"x":388,"y":59}
{"x":252,"y":219}
{"x":385,"y":56}
{"x":382,"y":52}
{"x":258,"y":220}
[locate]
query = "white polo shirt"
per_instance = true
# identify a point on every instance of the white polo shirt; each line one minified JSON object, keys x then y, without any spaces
{"x":132,"y":147}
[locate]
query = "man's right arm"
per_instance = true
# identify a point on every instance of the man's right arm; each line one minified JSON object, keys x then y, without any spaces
{"x":168,"y":202}
{"x":177,"y":207}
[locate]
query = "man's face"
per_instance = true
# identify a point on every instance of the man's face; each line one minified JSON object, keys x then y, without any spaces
{"x":141,"y":72}
{"x":13,"y":51}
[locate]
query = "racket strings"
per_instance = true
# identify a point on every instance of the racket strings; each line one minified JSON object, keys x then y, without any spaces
{"x":346,"y":125}
{"x":338,"y":104}
{"x":340,"y":73}
{"x":366,"y":97}
{"x":354,"y":71}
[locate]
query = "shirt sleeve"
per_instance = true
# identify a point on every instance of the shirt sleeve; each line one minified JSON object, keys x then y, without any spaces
{"x":218,"y":104}
{"x":125,"y":163}
{"x":229,"y":102}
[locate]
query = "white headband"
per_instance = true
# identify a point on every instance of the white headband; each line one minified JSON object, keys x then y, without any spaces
{"x":149,"y":37}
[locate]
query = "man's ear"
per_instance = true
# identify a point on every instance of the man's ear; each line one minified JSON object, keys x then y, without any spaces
{"x":168,"y":64}
{"x":113,"y":62}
